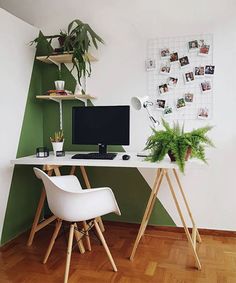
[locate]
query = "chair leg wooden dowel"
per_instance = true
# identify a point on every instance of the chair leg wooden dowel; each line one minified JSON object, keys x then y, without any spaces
{"x":78,"y":237}
{"x":85,"y":225}
{"x":69,"y":249}
{"x":53,"y":239}
{"x":105,"y":245}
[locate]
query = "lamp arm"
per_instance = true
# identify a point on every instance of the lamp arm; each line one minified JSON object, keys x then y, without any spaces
{"x":153,"y":120}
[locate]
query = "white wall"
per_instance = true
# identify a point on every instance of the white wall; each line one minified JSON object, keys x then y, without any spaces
{"x":15,"y":73}
{"x":126,"y":26}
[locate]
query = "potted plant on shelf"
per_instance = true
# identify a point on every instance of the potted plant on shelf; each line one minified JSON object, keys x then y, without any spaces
{"x":57,"y":141}
{"x":77,"y":40}
{"x":179,"y":145}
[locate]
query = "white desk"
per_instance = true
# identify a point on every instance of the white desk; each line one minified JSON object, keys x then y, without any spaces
{"x":163,"y":169}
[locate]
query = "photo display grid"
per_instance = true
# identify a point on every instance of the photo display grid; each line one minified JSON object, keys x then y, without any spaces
{"x":178,"y":82}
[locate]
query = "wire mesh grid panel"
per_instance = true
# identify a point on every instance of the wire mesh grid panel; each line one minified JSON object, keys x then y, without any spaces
{"x":180,"y":76}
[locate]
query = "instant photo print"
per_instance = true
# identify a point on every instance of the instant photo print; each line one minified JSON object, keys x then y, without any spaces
{"x":188,"y":77}
{"x":180,"y":103}
{"x":165,"y":53}
{"x":193,"y":45}
{"x":172,"y":82}
{"x":184,"y":61}
{"x":188,"y":97}
{"x":160,"y":104}
{"x":150,"y":64}
{"x":206,"y":86}
{"x":199,"y":72}
{"x":163,"y":89}
{"x":165,"y":69}
{"x":167,"y":111}
{"x":203,"y":113}
{"x":204,"y":50}
{"x":174,"y":57}
{"x":209,"y":70}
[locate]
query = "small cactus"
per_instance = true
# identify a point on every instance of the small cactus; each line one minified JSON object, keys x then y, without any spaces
{"x":58,"y":137}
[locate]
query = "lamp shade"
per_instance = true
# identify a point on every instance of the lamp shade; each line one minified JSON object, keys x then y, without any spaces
{"x":139,"y":102}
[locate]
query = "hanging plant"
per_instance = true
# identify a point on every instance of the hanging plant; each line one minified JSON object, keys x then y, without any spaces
{"x":77,"y":40}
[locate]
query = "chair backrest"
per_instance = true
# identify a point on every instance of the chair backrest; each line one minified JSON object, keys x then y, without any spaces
{"x":71,"y":205}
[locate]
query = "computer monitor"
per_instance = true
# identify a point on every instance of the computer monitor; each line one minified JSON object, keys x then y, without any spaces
{"x":101,"y":125}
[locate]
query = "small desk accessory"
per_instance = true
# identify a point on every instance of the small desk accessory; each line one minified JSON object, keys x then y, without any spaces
{"x":60,"y":153}
{"x":42,"y":152}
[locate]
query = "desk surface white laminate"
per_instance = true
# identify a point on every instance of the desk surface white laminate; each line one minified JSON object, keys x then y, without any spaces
{"x":133,"y":162}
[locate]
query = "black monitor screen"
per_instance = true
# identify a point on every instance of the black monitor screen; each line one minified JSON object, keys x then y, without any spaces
{"x":108,"y":125}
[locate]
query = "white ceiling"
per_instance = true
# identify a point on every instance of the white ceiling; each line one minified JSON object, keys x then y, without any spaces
{"x":141,"y":13}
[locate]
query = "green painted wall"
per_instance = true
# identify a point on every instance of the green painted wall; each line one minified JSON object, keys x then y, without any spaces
{"x":41,"y":120}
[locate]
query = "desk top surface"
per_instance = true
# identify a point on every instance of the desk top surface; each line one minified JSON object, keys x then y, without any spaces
{"x":133,"y":162}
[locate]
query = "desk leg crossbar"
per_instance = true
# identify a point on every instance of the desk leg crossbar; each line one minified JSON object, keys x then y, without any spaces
{"x":192,"y":239}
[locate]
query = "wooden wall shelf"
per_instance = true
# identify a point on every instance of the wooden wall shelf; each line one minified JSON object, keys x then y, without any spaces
{"x":61,"y":58}
{"x":66,"y":97}
{"x":59,"y":98}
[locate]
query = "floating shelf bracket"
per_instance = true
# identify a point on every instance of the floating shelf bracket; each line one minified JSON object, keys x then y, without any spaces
{"x":56,"y":63}
{"x":60,"y":111}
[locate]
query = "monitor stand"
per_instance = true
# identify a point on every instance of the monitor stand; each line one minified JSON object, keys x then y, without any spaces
{"x":102,"y":148}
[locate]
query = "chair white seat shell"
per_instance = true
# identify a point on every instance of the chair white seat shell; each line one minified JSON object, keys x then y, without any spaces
{"x":69,"y":202}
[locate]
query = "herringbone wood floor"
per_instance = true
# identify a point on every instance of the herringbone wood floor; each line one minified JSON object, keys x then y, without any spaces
{"x":162,"y":257}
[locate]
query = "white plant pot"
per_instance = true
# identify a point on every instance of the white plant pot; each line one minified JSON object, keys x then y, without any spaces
{"x":59,"y":85}
{"x":57,"y":146}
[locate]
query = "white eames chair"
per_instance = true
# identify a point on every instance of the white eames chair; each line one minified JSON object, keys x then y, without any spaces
{"x":69,"y":202}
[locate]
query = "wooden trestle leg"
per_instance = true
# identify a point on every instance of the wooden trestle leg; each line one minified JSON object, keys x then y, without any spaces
{"x":195,"y":233}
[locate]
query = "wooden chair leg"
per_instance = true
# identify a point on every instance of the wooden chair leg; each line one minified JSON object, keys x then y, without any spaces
{"x":54,"y":236}
{"x":69,"y":249}
{"x":36,"y":226}
{"x":85,"y":225}
{"x":78,"y":236}
{"x":88,"y":186}
{"x":105,"y":245}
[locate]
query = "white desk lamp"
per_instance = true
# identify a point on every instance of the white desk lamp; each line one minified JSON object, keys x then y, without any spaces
{"x":144,"y":102}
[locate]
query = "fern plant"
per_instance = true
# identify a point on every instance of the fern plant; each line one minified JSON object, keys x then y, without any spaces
{"x":178,"y":144}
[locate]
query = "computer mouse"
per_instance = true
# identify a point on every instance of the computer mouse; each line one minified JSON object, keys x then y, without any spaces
{"x":125,"y":157}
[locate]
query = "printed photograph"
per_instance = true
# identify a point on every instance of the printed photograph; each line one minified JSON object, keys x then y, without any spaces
{"x":165,"y":69}
{"x":209,"y":70}
{"x":184,"y":61}
{"x":206,"y":86}
{"x":160,"y":104}
{"x":165,"y":53}
{"x":172,"y":82}
{"x":199,"y":71}
{"x":201,"y":43}
{"x":150,"y":64}
{"x":204,"y":50}
{"x":163,"y":88}
{"x":203,"y":113}
{"x":167,"y":111}
{"x":188,"y":97}
{"x":174,"y":57}
{"x":180,"y":103}
{"x":193,"y":45}
{"x":189,"y":77}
